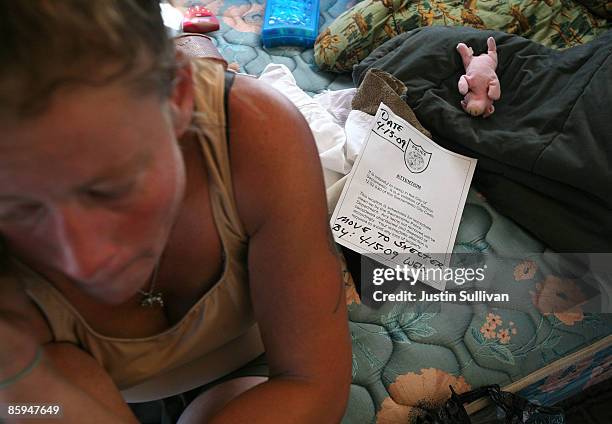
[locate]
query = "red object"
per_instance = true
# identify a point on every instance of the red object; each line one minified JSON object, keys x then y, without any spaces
{"x":200,"y":19}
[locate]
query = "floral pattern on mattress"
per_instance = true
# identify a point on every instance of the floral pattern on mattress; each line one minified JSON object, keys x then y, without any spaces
{"x":404,"y":359}
{"x":405,"y":356}
{"x":239,"y":41}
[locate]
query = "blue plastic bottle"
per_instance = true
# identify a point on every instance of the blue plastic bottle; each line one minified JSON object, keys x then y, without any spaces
{"x":290,"y":23}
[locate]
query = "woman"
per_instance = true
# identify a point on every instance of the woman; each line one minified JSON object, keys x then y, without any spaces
{"x":162,"y":224}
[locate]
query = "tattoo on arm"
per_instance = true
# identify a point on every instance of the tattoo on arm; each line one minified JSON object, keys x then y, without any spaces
{"x":335,"y":251}
{"x":333,"y":248}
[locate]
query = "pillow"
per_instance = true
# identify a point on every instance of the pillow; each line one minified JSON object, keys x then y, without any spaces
{"x":553,"y":23}
{"x":601,"y":8}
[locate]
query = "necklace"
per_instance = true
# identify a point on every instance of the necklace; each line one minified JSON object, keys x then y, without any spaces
{"x":150,"y":298}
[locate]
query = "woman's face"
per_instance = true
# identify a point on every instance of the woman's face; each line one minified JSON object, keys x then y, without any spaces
{"x":90,"y":189}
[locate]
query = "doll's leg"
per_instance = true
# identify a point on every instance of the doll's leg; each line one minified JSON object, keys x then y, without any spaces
{"x":494,"y":92}
{"x":463,"y":85}
{"x":492,"y":48}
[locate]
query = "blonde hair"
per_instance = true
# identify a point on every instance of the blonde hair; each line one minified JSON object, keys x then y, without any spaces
{"x":48,"y":44}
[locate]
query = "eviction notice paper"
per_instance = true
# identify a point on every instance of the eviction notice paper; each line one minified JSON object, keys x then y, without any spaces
{"x":404,"y":197}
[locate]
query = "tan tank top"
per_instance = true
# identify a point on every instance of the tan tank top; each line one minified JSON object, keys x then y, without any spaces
{"x":219,"y":333}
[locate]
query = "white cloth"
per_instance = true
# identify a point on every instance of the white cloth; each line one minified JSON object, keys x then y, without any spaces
{"x":356,"y":130}
{"x":328,"y":135}
{"x":339,"y":132}
{"x":337,"y":103}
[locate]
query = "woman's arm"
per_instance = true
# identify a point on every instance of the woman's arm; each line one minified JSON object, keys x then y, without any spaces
{"x":65,"y":376}
{"x":294,"y":275}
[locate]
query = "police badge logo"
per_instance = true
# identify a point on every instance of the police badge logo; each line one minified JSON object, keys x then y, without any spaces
{"x":416,"y":158}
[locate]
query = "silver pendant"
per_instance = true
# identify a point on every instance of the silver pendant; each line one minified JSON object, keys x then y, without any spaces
{"x":150,"y":299}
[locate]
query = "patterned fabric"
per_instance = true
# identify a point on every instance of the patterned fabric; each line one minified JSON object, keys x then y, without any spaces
{"x":405,"y":356}
{"x":584,"y":373}
{"x":239,"y":41}
{"x":554,"y":23}
{"x":602,"y":8}
{"x":403,"y":359}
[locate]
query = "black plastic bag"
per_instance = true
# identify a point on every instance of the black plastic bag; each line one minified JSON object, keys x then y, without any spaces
{"x":512,"y":409}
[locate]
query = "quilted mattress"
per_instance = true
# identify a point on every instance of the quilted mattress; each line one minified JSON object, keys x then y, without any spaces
{"x":239,"y":41}
{"x":405,"y":356}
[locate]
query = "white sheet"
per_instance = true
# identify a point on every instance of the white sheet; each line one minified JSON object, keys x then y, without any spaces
{"x":339,"y":132}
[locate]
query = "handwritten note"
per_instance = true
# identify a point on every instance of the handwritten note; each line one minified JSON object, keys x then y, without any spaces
{"x":404,"y":197}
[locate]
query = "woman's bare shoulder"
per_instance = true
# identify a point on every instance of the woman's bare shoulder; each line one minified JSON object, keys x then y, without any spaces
{"x":259,"y":113}
{"x":270,"y":144}
{"x":257,"y":108}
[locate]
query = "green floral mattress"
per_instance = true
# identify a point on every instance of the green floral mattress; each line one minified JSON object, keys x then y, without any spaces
{"x":239,"y":41}
{"x":404,"y":358}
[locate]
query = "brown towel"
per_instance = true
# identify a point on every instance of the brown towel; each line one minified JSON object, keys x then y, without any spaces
{"x":380,"y":86}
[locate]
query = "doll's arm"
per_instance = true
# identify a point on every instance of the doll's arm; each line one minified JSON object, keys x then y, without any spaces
{"x":466,"y":54}
{"x":492,"y":49}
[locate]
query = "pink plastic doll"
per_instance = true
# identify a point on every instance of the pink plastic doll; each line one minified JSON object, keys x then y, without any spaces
{"x":479,"y":85}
